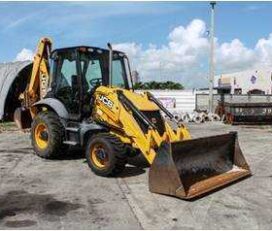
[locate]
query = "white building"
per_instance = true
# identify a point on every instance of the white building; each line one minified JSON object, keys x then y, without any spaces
{"x":255,"y":81}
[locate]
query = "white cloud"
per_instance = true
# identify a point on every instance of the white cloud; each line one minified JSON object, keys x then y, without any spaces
{"x":186,"y":46}
{"x":132,"y":50}
{"x":264,"y":51}
{"x":254,"y":7}
{"x":234,"y":56}
{"x":24,"y":54}
{"x":185,"y":58}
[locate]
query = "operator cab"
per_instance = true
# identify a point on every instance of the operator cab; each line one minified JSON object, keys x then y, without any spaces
{"x":77,"y":72}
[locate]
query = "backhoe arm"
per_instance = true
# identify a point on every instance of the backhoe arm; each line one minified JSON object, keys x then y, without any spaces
{"x":38,"y":83}
{"x":36,"y":87}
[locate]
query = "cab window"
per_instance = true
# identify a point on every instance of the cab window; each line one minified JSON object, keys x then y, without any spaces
{"x":68,"y":70}
{"x":67,"y":88}
{"x":118,"y":74}
{"x":93,"y":73}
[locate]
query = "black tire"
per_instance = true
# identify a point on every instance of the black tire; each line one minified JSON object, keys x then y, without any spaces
{"x":132,"y":152}
{"x":55,"y":135}
{"x":115,"y":151}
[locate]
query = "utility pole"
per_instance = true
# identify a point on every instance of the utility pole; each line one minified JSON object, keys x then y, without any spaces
{"x":211,"y":77}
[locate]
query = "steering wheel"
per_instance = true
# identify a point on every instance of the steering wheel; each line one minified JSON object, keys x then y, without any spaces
{"x":96,"y":82}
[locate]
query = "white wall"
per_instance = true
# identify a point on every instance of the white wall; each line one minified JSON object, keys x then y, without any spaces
{"x":184,"y":99}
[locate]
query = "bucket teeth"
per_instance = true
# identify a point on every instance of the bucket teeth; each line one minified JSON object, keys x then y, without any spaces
{"x":190,"y":168}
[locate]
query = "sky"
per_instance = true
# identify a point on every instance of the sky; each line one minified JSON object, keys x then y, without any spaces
{"x":164,"y":40}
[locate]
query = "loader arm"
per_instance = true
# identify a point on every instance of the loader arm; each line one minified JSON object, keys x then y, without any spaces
{"x":149,"y":142}
{"x":136,"y":130}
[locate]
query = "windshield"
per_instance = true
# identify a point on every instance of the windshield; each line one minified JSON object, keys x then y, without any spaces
{"x":94,"y":69}
{"x":120,"y":72}
{"x":92,"y":65}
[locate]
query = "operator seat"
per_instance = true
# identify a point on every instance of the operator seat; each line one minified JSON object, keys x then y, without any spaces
{"x":89,"y":102}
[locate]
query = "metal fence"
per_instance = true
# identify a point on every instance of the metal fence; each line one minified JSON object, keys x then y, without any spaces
{"x":202,"y":100}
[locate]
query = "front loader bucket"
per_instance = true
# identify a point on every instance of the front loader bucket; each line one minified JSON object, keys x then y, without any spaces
{"x":190,"y":168}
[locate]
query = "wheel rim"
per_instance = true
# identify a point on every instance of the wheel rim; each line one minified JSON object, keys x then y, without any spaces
{"x":99,"y":156}
{"x":41,"y":136}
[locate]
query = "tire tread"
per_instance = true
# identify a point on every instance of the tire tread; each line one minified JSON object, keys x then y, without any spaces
{"x":57,"y":131}
{"x":119,"y":154}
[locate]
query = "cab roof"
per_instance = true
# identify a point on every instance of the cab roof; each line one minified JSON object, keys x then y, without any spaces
{"x":83,"y":47}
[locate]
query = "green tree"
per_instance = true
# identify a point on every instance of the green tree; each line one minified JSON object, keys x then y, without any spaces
{"x":158,"y":85}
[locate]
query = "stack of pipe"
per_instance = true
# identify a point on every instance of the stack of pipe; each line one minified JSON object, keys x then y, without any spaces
{"x":196,"y":117}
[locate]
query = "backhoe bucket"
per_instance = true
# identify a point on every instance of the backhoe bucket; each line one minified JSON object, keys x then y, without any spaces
{"x":190,"y":168}
{"x":22,"y":118}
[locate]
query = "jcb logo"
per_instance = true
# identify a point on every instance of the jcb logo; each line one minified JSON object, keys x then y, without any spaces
{"x":105,"y":101}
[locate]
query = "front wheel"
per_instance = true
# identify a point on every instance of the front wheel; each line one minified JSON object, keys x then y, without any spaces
{"x":105,"y":154}
{"x":47,"y":134}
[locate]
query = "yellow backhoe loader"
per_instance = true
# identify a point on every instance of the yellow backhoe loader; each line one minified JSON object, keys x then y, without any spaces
{"x":83,"y":96}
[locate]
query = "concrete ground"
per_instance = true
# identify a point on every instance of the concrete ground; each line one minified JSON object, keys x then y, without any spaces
{"x":64,"y":194}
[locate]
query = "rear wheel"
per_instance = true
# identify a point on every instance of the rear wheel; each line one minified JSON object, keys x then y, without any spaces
{"x":47,"y":133}
{"x":105,"y":154}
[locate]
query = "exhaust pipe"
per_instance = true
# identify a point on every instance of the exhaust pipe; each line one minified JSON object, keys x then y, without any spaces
{"x":110,"y":64}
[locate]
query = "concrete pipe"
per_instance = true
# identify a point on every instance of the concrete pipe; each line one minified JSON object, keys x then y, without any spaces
{"x":216,"y":117}
{"x":197,"y":119}
{"x":184,"y":118}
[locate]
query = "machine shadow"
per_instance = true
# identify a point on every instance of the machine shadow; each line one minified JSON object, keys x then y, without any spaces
{"x":138,"y":161}
{"x":72,"y":154}
{"x":135,"y":165}
{"x":131,"y":171}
